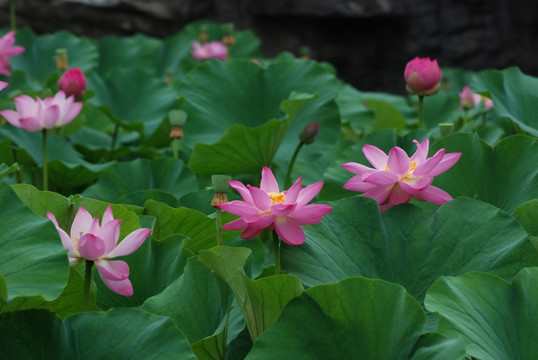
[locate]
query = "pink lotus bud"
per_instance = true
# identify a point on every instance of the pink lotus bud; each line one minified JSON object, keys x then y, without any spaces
{"x":468,"y":99}
{"x":423,"y":76}
{"x":214,"y":49}
{"x":309,"y":133}
{"x":488,"y":103}
{"x":73,"y":82}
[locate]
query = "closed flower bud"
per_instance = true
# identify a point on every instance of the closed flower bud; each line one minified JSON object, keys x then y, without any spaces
{"x":309,"y":133}
{"x":423,"y":76}
{"x":73,"y":82}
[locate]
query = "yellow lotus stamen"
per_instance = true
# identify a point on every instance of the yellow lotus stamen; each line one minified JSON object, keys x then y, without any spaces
{"x":277,"y":198}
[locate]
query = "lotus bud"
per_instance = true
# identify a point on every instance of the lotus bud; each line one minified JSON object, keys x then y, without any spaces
{"x":423,"y":76}
{"x":73,"y":82}
{"x":220,"y":184}
{"x":309,"y":133}
{"x":61,"y":59}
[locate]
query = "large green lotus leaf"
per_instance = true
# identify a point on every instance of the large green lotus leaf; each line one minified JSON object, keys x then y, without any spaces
{"x":116,"y":334}
{"x":70,"y":301}
{"x":261,"y":301}
{"x":355,"y":318}
{"x":443,"y":107}
{"x":199,"y":303}
{"x":386,"y":116}
{"x":496,"y":319}
{"x":8,"y":169}
{"x":505,"y":175}
{"x":335,"y":176}
{"x":245,"y":95}
{"x":136,"y":99}
{"x":138,"y":51}
{"x":200,"y":229}
{"x":514,"y":95}
{"x":433,"y":346}
{"x":138,"y":175}
{"x":33,"y":262}
{"x":353,"y":111}
{"x":526,"y":215}
{"x":409,"y":245}
{"x":38,"y":61}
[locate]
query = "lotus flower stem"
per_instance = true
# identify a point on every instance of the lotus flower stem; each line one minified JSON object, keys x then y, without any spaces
{"x":175,"y":147}
{"x":87,"y":283}
{"x":421,"y":112}
{"x":18,"y":174}
{"x":276,"y":244}
{"x":13,"y":16}
{"x":45,"y":170}
{"x":218,"y":222}
{"x":287,"y":182}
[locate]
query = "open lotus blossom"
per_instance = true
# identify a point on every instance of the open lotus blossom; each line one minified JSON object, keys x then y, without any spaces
{"x":99,"y":243}
{"x":214,"y":49}
{"x":469,"y":99}
{"x":396,"y":178}
{"x":7,"y":50}
{"x":34,"y":115}
{"x":423,"y":76}
{"x":267,"y":207}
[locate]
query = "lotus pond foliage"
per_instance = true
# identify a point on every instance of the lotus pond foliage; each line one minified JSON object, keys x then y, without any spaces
{"x":410,"y":232}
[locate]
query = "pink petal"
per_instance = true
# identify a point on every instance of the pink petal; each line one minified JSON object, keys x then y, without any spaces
{"x":293,"y":192}
{"x":268,"y":182}
{"x":242,"y":190}
{"x":91,"y":247}
{"x":14,"y":51}
{"x":434,"y":195}
{"x":261,"y":222}
{"x":239,"y":208}
{"x":357,"y":168}
{"x":416,"y":184}
{"x":398,"y":161}
{"x":448,"y":161}
{"x":113,"y":270}
{"x":3,"y":85}
{"x":30,"y":124}
{"x":308,"y":193}
{"x":122,"y":287}
{"x":399,"y":196}
{"x":380,"y":194}
{"x":311,"y":214}
{"x":289,"y":231}
{"x":110,"y":233}
{"x":12,"y":117}
{"x":107,"y":216}
{"x":261,"y":198}
{"x":385,"y":207}
{"x":283,"y":209}
{"x":72,"y":113}
{"x":26,"y":106}
{"x":375,"y":156}
{"x":357,"y":184}
{"x":238,"y":224}
{"x":251,"y":233}
{"x":429,"y":164}
{"x":82,"y":223}
{"x":130,"y":243}
{"x":67,"y":242}
{"x":382,"y":178}
{"x":422,"y":151}
{"x":50,"y":116}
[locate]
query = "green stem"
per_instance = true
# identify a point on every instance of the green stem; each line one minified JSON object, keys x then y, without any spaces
{"x":218,"y":221}
{"x":87,"y":283}
{"x":13,"y":16}
{"x":421,"y":112}
{"x":465,"y":117}
{"x":287,"y":182}
{"x":18,"y":174}
{"x":175,"y":147}
{"x":113,"y":143}
{"x":45,"y":168}
{"x":276,"y":244}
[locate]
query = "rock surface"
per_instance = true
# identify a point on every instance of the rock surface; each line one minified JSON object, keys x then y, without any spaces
{"x":368,"y":41}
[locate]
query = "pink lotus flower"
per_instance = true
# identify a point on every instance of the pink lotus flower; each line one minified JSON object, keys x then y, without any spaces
{"x":423,"y":76}
{"x":73,"y":82}
{"x":214,"y":49}
{"x":7,"y":50}
{"x":469,"y":99}
{"x":3,"y":85}
{"x":396,"y":178}
{"x":34,"y":115}
{"x":268,"y":208}
{"x":99,"y":244}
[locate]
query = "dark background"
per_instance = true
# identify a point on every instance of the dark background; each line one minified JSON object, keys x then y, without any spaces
{"x":369,"y":41}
